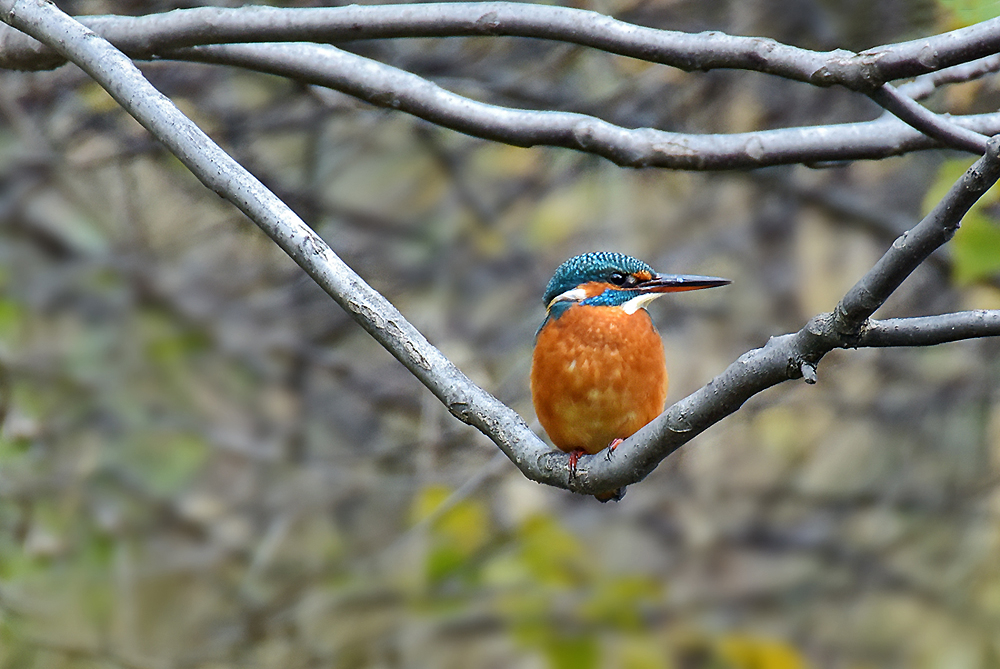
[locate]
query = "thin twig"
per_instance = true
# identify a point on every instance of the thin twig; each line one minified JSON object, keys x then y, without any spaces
{"x":925,"y":84}
{"x":940,"y":128}
{"x":930,"y":330}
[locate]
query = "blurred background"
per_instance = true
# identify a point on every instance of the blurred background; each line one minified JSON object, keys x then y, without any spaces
{"x":205,"y":463}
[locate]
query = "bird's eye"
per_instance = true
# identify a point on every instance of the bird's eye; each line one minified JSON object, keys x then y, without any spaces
{"x":617,"y":278}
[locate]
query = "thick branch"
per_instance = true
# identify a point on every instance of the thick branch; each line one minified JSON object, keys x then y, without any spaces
{"x":929,"y":54}
{"x":142,"y":37}
{"x":389,"y":87}
{"x":150,"y":36}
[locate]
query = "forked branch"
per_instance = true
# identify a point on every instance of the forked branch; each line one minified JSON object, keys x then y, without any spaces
{"x":787,"y":357}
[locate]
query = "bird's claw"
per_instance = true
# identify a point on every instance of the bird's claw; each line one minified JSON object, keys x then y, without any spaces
{"x":611,"y":449}
{"x":574,"y":458}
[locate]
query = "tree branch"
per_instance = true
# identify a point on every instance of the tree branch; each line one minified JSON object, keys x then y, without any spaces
{"x":930,"y":330}
{"x":143,"y":37}
{"x":940,"y":128}
{"x":786,"y":357}
{"x":925,"y":84}
{"x":390,"y":87}
{"x":152,"y":35}
{"x":223,"y":175}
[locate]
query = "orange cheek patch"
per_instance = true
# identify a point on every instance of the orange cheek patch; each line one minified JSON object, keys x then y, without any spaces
{"x":594,"y":288}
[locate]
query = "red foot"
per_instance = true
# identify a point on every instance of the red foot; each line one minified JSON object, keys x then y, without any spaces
{"x":574,"y":457}
{"x":611,"y":449}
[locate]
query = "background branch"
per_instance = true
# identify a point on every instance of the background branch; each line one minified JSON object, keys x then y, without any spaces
{"x":940,"y":128}
{"x":154,"y":35}
{"x":145,"y":36}
{"x":390,"y":87}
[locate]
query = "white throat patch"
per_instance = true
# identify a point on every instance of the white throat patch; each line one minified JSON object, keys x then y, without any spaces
{"x":574,"y":295}
{"x":639,"y":302}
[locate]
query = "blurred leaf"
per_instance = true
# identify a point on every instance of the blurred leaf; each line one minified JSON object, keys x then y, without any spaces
{"x":640,"y":651}
{"x":976,"y":246}
{"x":551,"y":554}
{"x":12,"y":318}
{"x":747,"y":652}
{"x":456,"y":535}
{"x":573,"y":652}
{"x":968,"y":12}
{"x":168,"y":344}
{"x":93,"y":96}
{"x":618,"y":601}
{"x":165,"y":462}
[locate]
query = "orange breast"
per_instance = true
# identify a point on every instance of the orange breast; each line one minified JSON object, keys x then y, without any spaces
{"x":597,"y":375}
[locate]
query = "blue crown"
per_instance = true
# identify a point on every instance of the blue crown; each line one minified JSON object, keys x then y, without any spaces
{"x":599,"y":266}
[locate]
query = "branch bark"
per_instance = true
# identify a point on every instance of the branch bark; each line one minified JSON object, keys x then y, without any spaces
{"x":389,"y":87}
{"x":143,"y":37}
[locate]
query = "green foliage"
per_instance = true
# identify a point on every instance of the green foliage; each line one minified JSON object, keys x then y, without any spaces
{"x":572,"y":652}
{"x":557,"y":597}
{"x":455,"y":536}
{"x":976,"y":246}
{"x":746,"y":652}
{"x":12,"y":319}
{"x":968,"y":12}
{"x":164,"y":461}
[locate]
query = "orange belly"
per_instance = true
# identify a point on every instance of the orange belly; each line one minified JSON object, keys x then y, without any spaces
{"x":597,"y":374}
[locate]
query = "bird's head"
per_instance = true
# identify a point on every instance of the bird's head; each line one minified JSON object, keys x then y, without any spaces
{"x":615,"y":280}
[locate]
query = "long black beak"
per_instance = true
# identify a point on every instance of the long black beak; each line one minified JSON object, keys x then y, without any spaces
{"x":674,"y":283}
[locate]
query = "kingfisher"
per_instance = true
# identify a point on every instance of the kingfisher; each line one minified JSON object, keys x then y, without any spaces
{"x":598,"y":372}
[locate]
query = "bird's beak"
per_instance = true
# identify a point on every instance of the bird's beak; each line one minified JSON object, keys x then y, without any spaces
{"x":675,"y":283}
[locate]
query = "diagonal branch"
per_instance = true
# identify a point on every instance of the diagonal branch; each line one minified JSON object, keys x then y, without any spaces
{"x":940,"y":128}
{"x":786,"y":357}
{"x":219,"y":172}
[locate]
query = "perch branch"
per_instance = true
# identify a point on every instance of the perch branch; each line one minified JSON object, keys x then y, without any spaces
{"x":796,"y":355}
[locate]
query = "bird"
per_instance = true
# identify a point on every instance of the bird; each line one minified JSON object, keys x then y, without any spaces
{"x":598,"y":372}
